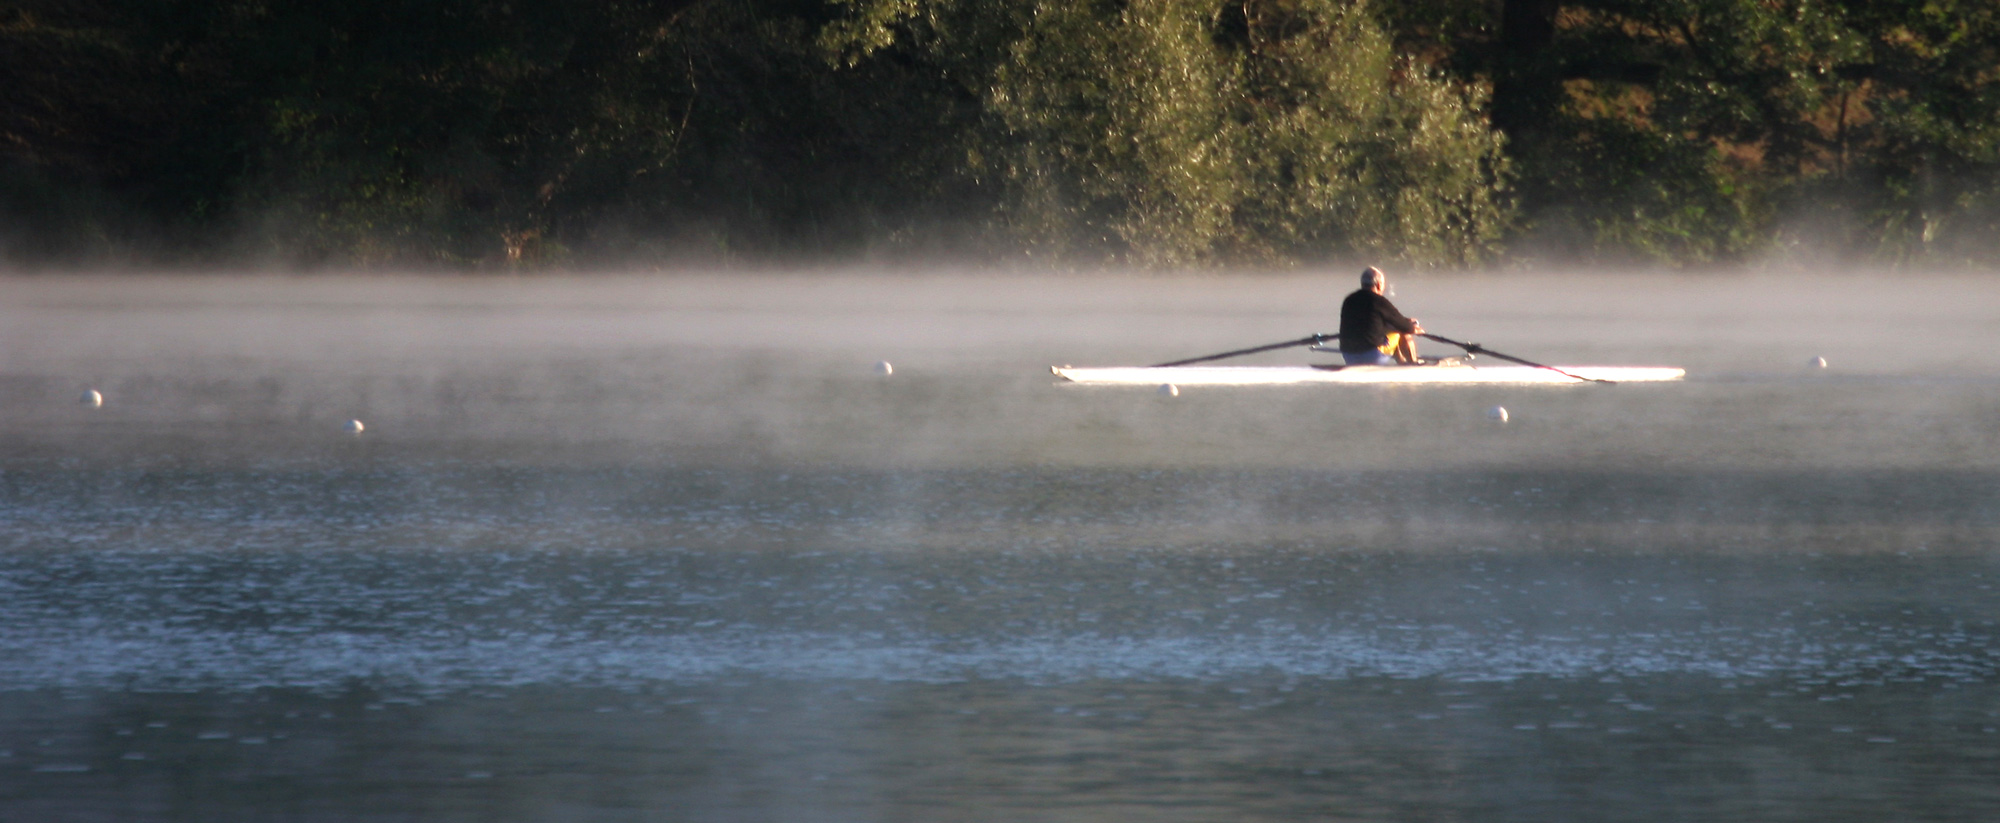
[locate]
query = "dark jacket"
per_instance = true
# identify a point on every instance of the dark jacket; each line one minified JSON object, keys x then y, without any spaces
{"x":1366,"y":318}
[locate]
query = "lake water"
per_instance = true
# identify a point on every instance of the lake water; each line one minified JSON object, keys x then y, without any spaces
{"x":669,"y":548}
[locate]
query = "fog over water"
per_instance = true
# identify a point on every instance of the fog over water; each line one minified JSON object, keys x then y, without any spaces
{"x":669,"y":546}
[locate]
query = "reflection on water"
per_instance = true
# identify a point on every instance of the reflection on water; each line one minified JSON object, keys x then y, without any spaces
{"x":441,"y":580}
{"x":1249,"y":748}
{"x":725,"y":584}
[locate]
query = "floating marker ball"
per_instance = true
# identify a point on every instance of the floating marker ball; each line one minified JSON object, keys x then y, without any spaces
{"x":1169,"y":390}
{"x":1818,"y":363}
{"x":883,"y":368}
{"x":91,"y":398}
{"x":1497,"y":414}
{"x":353,"y":427}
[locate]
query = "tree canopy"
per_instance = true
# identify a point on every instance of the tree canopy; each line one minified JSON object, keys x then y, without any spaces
{"x":1142,"y":132}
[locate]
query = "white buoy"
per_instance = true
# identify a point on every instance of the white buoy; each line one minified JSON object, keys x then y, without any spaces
{"x":1169,"y":390}
{"x":1497,"y":414}
{"x":1817,"y":363}
{"x":353,"y":427}
{"x":883,"y":368}
{"x":91,"y":398}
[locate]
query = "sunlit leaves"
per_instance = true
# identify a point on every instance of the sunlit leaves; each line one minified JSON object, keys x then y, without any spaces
{"x":1173,"y":133}
{"x":1700,"y":131}
{"x":1146,"y":132}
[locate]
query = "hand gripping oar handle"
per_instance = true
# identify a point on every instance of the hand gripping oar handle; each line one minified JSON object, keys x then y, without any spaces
{"x":1303,"y":341}
{"x":1475,"y":348}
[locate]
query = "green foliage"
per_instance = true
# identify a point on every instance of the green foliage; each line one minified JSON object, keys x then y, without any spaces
{"x":467,"y":133}
{"x":1175,"y":133}
{"x":1698,"y":131}
{"x":1112,"y":132}
{"x":1354,"y":149}
{"x":1925,"y":186}
{"x":458,"y":132}
{"x":1618,"y":193}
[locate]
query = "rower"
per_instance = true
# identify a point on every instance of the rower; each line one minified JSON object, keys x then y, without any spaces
{"x":1372,"y":331}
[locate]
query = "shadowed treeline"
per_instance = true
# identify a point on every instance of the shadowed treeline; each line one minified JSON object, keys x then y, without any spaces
{"x":1149,"y":132}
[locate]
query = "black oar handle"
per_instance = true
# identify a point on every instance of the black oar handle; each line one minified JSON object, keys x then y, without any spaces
{"x":1475,"y":348}
{"x":1303,"y":341}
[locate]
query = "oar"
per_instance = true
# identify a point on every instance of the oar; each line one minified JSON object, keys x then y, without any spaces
{"x":1303,"y":341}
{"x":1475,"y":348}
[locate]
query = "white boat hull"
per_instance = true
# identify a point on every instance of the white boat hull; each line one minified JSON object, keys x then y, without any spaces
{"x":1289,"y":375}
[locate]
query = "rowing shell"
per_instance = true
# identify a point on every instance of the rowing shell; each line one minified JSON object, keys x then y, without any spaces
{"x":1452,"y":373}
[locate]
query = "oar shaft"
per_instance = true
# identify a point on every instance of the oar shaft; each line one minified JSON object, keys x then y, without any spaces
{"x":1475,"y":348}
{"x":1303,"y":341}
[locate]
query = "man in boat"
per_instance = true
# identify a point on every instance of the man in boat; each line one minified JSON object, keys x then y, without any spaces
{"x":1372,"y":331}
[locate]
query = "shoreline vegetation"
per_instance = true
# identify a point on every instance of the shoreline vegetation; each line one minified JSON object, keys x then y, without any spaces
{"x":1053,"y":134}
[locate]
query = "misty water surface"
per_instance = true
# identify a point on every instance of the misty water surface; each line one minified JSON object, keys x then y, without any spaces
{"x":670,"y":548}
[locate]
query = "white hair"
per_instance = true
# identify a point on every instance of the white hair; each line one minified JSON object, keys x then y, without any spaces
{"x":1371,"y":275}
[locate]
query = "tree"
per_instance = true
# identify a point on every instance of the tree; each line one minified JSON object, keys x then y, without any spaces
{"x":1176,"y":132}
{"x":1697,"y":131}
